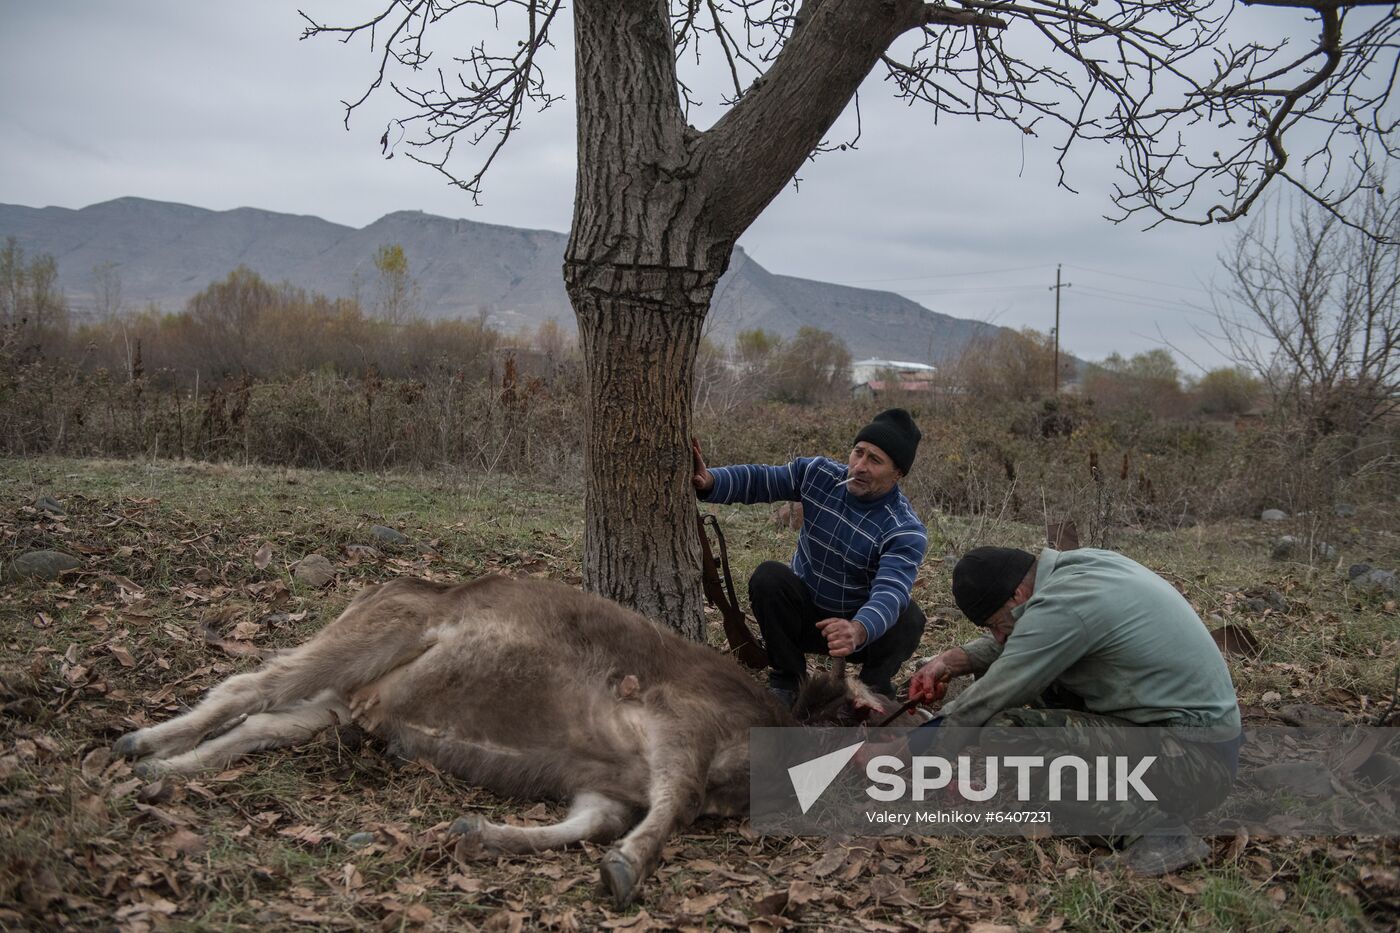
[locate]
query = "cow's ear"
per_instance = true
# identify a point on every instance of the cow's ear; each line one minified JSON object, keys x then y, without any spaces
{"x":866,"y":701}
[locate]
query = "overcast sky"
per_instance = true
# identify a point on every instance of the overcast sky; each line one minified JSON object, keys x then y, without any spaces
{"x":221,"y":106}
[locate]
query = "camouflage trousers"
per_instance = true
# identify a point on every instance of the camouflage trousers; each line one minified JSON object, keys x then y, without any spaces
{"x":1189,"y":779}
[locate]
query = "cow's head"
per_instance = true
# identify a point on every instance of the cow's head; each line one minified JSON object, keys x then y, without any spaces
{"x":833,"y":699}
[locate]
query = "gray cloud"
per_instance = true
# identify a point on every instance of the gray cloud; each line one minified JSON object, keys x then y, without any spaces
{"x":221,"y":106}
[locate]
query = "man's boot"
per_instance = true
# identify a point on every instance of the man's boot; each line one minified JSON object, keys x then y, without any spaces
{"x":1159,"y":853}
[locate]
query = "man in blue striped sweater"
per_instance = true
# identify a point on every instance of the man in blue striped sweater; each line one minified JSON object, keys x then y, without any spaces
{"x":848,"y":590}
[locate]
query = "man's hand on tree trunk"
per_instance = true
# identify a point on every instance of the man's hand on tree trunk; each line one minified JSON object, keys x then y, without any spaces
{"x":703,"y":480}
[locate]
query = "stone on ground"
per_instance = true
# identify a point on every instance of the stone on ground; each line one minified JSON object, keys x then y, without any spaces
{"x":41,"y":565}
{"x":314,"y":570}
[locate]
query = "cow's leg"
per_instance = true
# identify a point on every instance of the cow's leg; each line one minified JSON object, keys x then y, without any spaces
{"x":675,"y":796}
{"x":235,"y":697}
{"x":593,"y":817}
{"x":331,"y":660}
{"x":290,"y":725}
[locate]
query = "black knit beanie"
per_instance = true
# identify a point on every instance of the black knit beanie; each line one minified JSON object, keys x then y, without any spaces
{"x":894,"y":432}
{"x":986,"y":578}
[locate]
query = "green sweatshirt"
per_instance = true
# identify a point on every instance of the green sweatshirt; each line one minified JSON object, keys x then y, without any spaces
{"x":1113,"y":633}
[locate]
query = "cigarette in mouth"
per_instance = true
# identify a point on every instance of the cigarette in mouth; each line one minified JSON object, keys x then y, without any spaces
{"x":846,"y":480}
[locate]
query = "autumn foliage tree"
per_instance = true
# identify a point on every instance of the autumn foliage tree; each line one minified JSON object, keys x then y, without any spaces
{"x":1227,"y":390}
{"x":33,"y":311}
{"x":1145,"y":384}
{"x":1199,"y":110}
{"x":1007,"y":366}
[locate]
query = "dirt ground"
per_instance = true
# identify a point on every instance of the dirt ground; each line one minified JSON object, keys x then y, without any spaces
{"x":343,"y":836}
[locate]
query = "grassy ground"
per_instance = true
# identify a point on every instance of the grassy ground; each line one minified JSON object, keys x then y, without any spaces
{"x":268,"y":844}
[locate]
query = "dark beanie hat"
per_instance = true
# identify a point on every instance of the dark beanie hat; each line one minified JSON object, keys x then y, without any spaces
{"x":894,"y":432}
{"x":986,"y":578}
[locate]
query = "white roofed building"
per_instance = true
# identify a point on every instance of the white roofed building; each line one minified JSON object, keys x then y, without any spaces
{"x":874,"y":377}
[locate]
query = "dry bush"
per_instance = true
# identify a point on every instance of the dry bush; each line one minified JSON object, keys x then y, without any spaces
{"x":1227,"y":391}
{"x":315,"y":419}
{"x":243,"y":325}
{"x":811,"y":368}
{"x":322,"y":385}
{"x":1009,"y":366}
{"x":1144,"y":386}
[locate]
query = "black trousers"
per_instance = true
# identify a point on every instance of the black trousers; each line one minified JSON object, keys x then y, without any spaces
{"x":788,"y":619}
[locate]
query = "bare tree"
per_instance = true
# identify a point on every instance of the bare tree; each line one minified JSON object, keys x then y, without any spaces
{"x":1312,"y":306}
{"x":659,"y":204}
{"x":397,"y":293}
{"x":107,"y":303}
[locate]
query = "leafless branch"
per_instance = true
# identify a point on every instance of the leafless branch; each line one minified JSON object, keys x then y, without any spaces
{"x":484,"y":97}
{"x":1204,"y":114}
{"x":1209,"y":110}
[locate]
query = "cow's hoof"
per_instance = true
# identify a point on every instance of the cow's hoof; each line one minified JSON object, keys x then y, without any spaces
{"x":471,"y":837}
{"x":128,"y":746}
{"x":465,"y":826}
{"x":150,"y":769}
{"x":620,"y":878}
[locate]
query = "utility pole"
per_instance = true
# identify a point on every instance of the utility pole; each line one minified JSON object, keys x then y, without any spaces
{"x":1055,"y":382}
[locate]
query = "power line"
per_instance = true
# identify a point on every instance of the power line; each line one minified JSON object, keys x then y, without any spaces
{"x":1142,"y":301}
{"x":1136,"y":278}
{"x":946,"y":275}
{"x":974,"y":289}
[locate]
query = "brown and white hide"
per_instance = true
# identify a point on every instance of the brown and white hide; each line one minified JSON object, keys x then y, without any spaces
{"x":530,"y":688}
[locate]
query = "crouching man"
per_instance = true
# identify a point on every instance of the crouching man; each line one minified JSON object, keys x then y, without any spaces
{"x":847,"y":592}
{"x":1096,"y":645}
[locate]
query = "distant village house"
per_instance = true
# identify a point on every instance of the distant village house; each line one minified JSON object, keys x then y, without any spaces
{"x":873,"y":378}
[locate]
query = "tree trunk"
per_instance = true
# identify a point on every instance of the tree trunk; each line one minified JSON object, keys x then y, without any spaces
{"x":639,"y":338}
{"x":640,"y":271}
{"x":658,"y":207}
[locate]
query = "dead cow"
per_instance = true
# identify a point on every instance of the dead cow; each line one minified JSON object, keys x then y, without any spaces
{"x":529,"y":688}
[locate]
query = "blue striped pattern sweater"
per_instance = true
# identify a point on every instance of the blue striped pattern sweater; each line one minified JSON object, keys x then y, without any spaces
{"x":858,"y":558}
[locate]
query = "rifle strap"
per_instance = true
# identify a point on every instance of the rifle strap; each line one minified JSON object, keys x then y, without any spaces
{"x":723,"y":558}
{"x":720,"y":594}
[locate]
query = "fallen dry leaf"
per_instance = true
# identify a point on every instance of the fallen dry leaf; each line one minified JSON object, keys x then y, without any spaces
{"x":95,"y":761}
{"x":1181,"y":885}
{"x":771,"y":904}
{"x":185,"y":842}
{"x":350,"y":877}
{"x":246,"y":630}
{"x":310,"y":835}
{"x":802,"y":892}
{"x":506,"y":921}
{"x":640,"y":921}
{"x":830,"y":862}
{"x":702,"y":905}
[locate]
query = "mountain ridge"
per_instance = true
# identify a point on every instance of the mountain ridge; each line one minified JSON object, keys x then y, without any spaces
{"x":165,"y":252}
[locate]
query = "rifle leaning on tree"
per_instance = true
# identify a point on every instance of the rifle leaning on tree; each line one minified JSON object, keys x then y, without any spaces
{"x":742,"y":643}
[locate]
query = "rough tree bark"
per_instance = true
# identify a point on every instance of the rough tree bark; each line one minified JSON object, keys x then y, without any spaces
{"x":657,"y":211}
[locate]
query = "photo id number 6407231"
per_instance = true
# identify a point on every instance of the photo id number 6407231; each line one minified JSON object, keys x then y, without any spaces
{"x":1019,"y":816}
